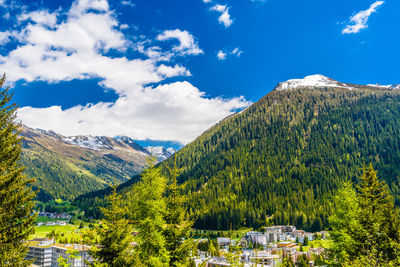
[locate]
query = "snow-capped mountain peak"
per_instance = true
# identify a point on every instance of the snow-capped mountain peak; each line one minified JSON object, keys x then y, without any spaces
{"x":88,"y":141}
{"x":316,"y":80}
{"x":390,"y":86}
{"x":130,"y":142}
{"x":160,"y":152}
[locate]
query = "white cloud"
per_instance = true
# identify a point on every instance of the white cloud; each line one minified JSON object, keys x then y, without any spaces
{"x":187,"y":44}
{"x":224,"y":18}
{"x":177,"y":111}
{"x":127,"y":3}
{"x":124,"y":26}
{"x":4,"y":37}
{"x":176,"y":70}
{"x":359,"y":21}
{"x":80,"y":7}
{"x":237,"y":52}
{"x":76,"y":46}
{"x":221,"y":55}
{"x":207,"y":1}
{"x":40,"y":17}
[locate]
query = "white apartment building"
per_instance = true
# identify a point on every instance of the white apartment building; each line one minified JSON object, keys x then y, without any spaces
{"x":45,"y":253}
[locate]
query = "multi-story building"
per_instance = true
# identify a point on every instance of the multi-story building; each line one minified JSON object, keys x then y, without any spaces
{"x":45,"y":253}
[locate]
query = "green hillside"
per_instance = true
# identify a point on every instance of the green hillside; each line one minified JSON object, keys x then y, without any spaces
{"x":65,"y":171}
{"x":280,"y":160}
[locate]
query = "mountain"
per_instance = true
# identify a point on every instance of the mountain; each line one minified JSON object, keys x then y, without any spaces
{"x":66,"y":167}
{"x":161,"y":153}
{"x":281,"y":159}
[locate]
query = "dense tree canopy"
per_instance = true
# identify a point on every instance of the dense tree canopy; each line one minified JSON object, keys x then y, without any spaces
{"x":16,"y":206}
{"x":281,"y":160}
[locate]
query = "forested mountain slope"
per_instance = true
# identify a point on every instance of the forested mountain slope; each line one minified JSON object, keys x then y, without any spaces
{"x":65,"y":167}
{"x":280,"y":160}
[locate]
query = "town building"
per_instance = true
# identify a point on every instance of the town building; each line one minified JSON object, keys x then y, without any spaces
{"x":45,"y":253}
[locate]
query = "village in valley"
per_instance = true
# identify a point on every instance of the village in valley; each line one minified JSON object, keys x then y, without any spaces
{"x":266,"y":247}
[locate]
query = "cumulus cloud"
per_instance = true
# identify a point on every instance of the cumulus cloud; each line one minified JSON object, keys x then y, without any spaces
{"x":224,"y":18}
{"x":237,"y":52}
{"x":56,"y":47}
{"x":176,"y":111}
{"x":40,"y":17}
{"x":359,"y":21}
{"x":5,"y":37}
{"x":221,"y":55}
{"x":207,"y":1}
{"x":127,"y":3}
{"x":187,"y":44}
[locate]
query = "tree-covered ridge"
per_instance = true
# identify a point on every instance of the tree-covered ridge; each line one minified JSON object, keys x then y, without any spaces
{"x":281,"y":160}
{"x":65,"y":170}
{"x":283,"y":156}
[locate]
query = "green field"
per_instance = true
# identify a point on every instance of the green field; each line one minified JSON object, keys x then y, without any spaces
{"x":324,"y":243}
{"x":47,"y":219}
{"x":65,"y":233}
{"x":42,"y":231}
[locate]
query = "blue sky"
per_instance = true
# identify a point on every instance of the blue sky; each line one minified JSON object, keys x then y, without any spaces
{"x":168,"y":70}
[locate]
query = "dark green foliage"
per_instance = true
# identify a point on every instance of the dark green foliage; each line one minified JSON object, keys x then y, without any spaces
{"x":281,"y":160}
{"x":284,"y":155}
{"x":305,"y":243}
{"x":365,"y":224}
{"x":16,"y":205}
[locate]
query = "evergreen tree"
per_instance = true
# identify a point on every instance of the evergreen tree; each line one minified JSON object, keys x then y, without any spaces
{"x":287,"y":262}
{"x":344,"y":223}
{"x":302,"y":261}
{"x":305,"y":243}
{"x":177,"y":232}
{"x":365,"y":225}
{"x":147,"y":212}
{"x":115,"y":235}
{"x":379,"y":219}
{"x":16,"y":205}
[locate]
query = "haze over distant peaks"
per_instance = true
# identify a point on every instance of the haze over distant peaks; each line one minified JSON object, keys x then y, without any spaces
{"x":319,"y":80}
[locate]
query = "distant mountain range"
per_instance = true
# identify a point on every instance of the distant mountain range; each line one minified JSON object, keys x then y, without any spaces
{"x":281,"y":159}
{"x":66,"y":167}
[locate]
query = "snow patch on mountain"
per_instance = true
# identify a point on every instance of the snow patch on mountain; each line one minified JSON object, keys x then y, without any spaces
{"x":310,"y":81}
{"x":90,"y":142}
{"x":130,"y":142}
{"x":390,"y":86}
{"x":161,"y":153}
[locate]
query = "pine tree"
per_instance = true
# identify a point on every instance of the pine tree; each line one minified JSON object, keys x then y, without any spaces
{"x":115,"y":234}
{"x":287,"y":262}
{"x":365,"y":225}
{"x":344,"y":223}
{"x":147,"y":212}
{"x":379,"y":219}
{"x":16,"y":195}
{"x":177,"y":232}
{"x":305,"y":243}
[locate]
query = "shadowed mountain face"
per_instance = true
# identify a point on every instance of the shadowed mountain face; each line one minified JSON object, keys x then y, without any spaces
{"x":280,"y":160}
{"x":65,"y":167}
